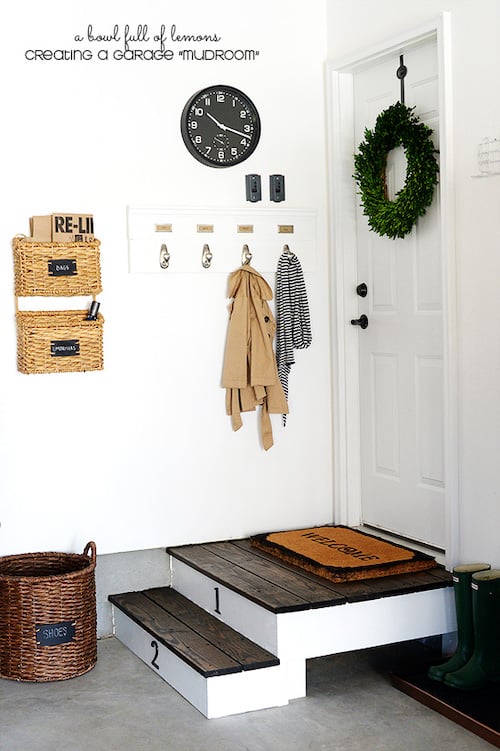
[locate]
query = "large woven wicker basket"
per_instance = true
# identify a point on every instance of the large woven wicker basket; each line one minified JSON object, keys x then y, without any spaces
{"x":47,"y":615}
{"x":55,"y":269}
{"x":59,"y":341}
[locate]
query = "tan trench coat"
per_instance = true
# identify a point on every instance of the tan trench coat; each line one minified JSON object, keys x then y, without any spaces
{"x":250,"y":374}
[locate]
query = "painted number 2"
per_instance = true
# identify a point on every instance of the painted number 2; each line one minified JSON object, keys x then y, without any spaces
{"x":154,"y":644}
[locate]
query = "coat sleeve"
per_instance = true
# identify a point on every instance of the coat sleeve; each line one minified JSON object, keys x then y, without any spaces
{"x":235,"y":367}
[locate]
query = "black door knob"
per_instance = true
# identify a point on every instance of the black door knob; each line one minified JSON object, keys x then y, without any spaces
{"x":362,"y":321}
{"x":362,"y":289}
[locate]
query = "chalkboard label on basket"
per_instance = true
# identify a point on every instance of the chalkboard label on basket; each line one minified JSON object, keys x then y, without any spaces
{"x":64,"y":348}
{"x":62,"y":267}
{"x":50,"y":634}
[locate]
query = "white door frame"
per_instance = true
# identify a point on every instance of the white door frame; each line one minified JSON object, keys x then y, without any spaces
{"x":342,"y":203}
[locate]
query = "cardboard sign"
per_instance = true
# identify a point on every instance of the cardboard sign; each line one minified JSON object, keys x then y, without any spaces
{"x":63,"y":228}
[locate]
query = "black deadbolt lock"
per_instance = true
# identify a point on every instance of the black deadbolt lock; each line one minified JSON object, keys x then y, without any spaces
{"x":362,"y":289}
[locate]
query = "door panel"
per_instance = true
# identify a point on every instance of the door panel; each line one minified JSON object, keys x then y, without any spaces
{"x":401,"y":351}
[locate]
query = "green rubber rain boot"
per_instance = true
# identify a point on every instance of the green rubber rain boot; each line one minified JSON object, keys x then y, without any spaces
{"x":462,"y":579}
{"x":484,"y":665}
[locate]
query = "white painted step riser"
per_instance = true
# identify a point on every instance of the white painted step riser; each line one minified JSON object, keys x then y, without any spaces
{"x":322,"y":631}
{"x":216,"y":696}
{"x":353,"y":626}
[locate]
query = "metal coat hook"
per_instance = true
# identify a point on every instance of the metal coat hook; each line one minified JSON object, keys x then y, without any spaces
{"x":246,"y":256}
{"x":206,"y":257}
{"x":164,"y":256}
{"x":401,"y":73}
{"x":287,"y":252}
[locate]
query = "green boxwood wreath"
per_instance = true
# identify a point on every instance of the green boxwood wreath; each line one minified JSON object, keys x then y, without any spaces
{"x":396,"y":126}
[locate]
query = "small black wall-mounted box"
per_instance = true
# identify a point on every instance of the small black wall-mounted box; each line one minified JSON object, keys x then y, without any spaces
{"x":253,"y":188}
{"x":277,"y":188}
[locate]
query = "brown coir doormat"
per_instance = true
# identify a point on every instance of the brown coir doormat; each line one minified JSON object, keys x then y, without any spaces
{"x":342,"y":554}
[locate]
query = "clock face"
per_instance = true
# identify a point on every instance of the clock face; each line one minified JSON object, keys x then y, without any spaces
{"x":220,"y":126}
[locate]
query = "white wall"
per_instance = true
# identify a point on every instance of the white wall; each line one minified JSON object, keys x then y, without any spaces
{"x":142,"y":455}
{"x":476,"y":61}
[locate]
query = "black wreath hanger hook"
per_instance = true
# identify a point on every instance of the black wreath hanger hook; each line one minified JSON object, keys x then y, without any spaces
{"x":401,"y":74}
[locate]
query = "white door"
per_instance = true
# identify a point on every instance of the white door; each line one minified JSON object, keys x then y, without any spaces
{"x":401,"y":350}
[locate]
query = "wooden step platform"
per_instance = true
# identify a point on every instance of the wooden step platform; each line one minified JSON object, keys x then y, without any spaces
{"x":234,"y":630}
{"x":191,"y":649}
{"x":283,"y":588}
{"x":297,"y":615}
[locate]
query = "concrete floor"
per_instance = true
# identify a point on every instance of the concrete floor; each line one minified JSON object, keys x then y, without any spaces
{"x":122,"y":705}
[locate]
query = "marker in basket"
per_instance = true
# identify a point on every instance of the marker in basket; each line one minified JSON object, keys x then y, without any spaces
{"x":93,"y":311}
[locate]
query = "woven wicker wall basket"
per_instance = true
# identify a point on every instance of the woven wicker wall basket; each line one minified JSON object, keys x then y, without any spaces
{"x":54,"y":269}
{"x":59,"y":341}
{"x":47,"y":615}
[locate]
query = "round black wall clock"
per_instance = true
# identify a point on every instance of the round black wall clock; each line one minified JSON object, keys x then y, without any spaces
{"x":220,"y":126}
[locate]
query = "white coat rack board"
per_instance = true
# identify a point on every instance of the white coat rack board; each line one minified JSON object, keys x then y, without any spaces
{"x":168,"y":240}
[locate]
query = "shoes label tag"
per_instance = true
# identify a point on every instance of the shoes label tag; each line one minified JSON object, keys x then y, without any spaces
{"x":50,"y":634}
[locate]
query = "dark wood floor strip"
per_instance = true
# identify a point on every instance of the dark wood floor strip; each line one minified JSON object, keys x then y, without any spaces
{"x":248,"y":654}
{"x":199,"y":653}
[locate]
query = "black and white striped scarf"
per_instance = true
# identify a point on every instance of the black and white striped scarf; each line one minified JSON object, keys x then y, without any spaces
{"x":293,"y":323}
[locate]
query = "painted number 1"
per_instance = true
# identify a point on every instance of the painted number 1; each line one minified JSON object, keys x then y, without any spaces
{"x":217,"y":600}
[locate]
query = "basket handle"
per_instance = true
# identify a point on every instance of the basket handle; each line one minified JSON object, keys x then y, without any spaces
{"x":90,"y":546}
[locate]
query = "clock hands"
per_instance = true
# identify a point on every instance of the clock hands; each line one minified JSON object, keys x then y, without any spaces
{"x":238,"y":133}
{"x":223,"y":127}
{"x":226,"y":127}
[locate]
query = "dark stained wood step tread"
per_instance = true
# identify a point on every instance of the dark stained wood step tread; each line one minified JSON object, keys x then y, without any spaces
{"x":280,"y":587}
{"x":267,"y":594}
{"x":205,"y":643}
{"x":312,"y":590}
{"x":241,"y":649}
